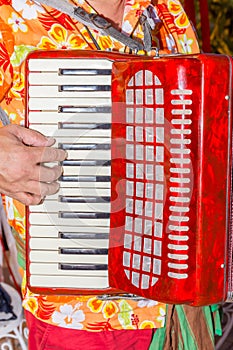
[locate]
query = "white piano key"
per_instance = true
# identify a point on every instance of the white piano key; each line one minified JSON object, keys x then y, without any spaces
{"x":80,"y":192}
{"x":53,"y":269}
{"x":53,"y":104}
{"x":54,"y":231}
{"x":87,"y":170}
{"x":47,"y":256}
{"x":82,"y":140}
{"x":89,"y":154}
{"x":92,"y":185}
{"x":53,"y":91}
{"x":53,"y":78}
{"x":53,"y":130}
{"x":56,"y":243}
{"x":50,"y":117}
{"x":54,"y":219}
{"x":55,"y":207}
{"x":83,"y":162}
{"x":69,"y":282}
{"x":53,"y":64}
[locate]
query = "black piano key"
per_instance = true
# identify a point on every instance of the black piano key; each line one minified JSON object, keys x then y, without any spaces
{"x":83,"y":267}
{"x":74,"y":162}
{"x":86,"y":88}
{"x":74,"y":178}
{"x":84,"y":251}
{"x":76,"y":199}
{"x":84,"y":71}
{"x":83,"y":235}
{"x":84,"y":147}
{"x":105,"y":126}
{"x":83,"y":215}
{"x":80,"y":109}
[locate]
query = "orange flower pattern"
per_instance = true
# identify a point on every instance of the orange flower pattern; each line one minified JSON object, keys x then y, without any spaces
{"x":26,"y":26}
{"x":58,"y":39}
{"x":181,"y":19}
{"x":108,"y":308}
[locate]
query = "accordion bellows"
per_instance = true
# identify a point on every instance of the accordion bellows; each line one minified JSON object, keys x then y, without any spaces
{"x":144,"y":205}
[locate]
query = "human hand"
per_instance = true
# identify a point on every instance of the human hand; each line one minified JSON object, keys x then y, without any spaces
{"x":23,"y":175}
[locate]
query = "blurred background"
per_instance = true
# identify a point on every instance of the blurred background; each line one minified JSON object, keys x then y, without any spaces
{"x":213,"y":20}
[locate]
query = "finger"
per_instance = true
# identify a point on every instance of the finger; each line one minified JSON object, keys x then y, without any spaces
{"x":26,"y":198}
{"x":33,"y":187}
{"x":48,"y":154}
{"x":30,"y":137}
{"x":42,"y":189}
{"x":47,"y":189}
{"x":46,"y":174}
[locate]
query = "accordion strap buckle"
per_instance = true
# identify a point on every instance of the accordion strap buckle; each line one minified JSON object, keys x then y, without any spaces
{"x":99,"y":22}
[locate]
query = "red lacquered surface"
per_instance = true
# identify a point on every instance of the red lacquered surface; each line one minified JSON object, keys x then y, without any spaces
{"x":208,"y":77}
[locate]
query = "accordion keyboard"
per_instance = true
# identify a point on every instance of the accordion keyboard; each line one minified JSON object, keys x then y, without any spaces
{"x":69,"y":232}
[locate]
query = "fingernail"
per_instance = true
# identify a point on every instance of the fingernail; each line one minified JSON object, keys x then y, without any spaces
{"x":51,"y":140}
{"x":42,"y":201}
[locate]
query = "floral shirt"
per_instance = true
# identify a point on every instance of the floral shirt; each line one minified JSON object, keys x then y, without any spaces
{"x":26,"y":26}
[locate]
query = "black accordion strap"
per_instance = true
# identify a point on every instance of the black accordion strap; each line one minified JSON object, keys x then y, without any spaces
{"x":94,"y":21}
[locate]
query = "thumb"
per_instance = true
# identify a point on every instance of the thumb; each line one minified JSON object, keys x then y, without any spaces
{"x":31,"y":137}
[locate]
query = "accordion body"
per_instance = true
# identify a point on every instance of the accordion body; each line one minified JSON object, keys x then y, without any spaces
{"x":144,"y":205}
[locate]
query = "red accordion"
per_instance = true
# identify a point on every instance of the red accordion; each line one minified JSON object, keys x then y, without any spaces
{"x":145,"y":200}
